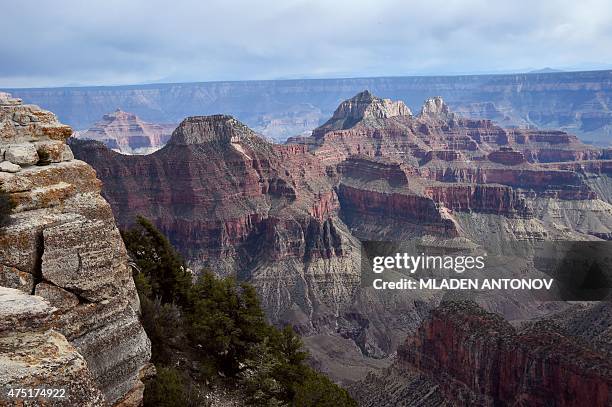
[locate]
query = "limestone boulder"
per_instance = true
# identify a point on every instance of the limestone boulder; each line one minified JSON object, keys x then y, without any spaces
{"x":34,"y":355}
{"x":20,"y":312}
{"x":22,"y":154}
{"x":85,"y":256}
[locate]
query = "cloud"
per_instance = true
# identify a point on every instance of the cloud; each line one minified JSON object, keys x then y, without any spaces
{"x":136,"y":41}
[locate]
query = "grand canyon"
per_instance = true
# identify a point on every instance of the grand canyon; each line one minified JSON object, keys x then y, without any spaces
{"x":306,"y":203}
{"x":290,"y":218}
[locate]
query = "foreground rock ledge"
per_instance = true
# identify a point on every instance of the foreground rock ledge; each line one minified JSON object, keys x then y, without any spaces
{"x":81,"y":328}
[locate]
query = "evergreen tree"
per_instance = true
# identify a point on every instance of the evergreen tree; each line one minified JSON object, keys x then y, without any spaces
{"x":225,"y":319}
{"x":164,"y":271}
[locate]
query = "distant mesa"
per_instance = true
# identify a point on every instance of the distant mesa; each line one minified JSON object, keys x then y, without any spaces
{"x":577,"y":102}
{"x":126,"y":133}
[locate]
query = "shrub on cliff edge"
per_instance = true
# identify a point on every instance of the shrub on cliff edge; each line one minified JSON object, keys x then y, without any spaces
{"x":166,"y":389}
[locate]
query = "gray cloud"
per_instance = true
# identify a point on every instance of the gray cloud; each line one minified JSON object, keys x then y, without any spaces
{"x":116,"y":42}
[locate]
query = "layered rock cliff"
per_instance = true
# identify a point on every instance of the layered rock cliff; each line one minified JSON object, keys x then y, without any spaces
{"x":232,"y":201}
{"x":127,"y":133}
{"x":362,"y":107}
{"x":467,"y":356}
{"x":63,"y":251}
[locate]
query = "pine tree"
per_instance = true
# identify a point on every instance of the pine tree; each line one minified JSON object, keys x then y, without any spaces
{"x":165,"y":272}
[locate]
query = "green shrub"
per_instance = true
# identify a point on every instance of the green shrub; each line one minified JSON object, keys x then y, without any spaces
{"x":167,"y":389}
{"x":6,"y":207}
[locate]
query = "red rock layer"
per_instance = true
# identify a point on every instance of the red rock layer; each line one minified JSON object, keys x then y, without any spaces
{"x":498,"y":199}
{"x":415,"y":209}
{"x":217,"y":186}
{"x":480,"y":359}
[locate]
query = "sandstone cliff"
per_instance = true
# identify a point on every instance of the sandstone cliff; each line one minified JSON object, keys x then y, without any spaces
{"x":362,"y":107}
{"x":63,"y":249}
{"x":232,"y":201}
{"x":127,"y":133}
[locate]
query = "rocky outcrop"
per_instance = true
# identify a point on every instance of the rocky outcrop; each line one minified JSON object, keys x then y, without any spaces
{"x":240,"y":205}
{"x":463,"y":355}
{"x":480,"y":359}
{"x":497,"y":199}
{"x":362,"y":107}
{"x":127,"y":133}
{"x":62,"y":244}
{"x":435,"y":109}
{"x":422,"y":212}
{"x":507,"y":156}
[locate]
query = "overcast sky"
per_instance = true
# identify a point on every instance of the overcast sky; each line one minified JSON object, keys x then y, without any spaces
{"x":106,"y":42}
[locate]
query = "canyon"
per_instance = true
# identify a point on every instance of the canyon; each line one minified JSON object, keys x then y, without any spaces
{"x":291,"y":218}
{"x":577,"y":102}
{"x":69,"y":312}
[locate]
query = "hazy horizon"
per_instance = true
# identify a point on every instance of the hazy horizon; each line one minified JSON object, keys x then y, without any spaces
{"x":331,"y":78}
{"x":74,"y":43}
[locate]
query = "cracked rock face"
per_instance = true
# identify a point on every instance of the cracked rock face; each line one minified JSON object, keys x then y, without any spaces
{"x":34,"y":354}
{"x":62,"y":245}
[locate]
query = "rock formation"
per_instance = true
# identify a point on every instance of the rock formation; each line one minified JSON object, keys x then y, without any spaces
{"x":127,"y":133}
{"x":290,"y":217}
{"x":63,"y":251}
{"x":35,"y":355}
{"x":362,"y":107}
{"x":466,"y":356}
{"x":436,"y":109}
{"x":234,"y":202}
